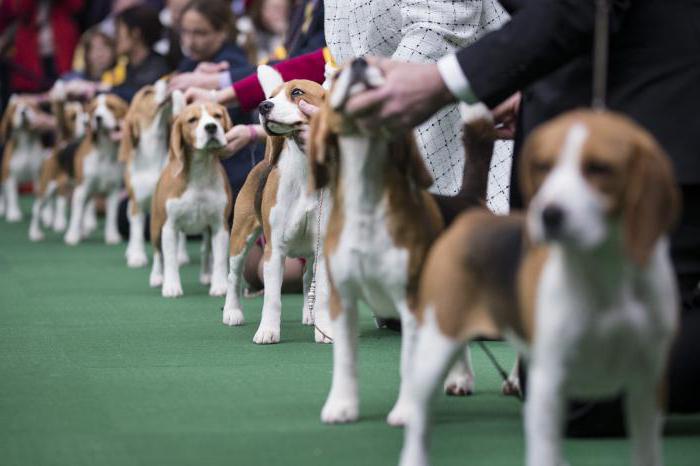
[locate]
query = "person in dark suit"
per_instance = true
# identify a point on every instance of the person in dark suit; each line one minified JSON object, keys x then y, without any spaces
{"x":545,"y":51}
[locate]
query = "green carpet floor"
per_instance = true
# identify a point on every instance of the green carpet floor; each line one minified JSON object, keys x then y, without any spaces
{"x":96,"y":368}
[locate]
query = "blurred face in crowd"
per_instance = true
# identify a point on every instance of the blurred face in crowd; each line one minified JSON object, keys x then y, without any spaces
{"x":199,"y":40}
{"x":100,"y":55}
{"x":275,"y":15}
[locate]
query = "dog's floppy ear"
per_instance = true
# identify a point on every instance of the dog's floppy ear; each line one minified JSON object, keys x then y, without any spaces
{"x":270,"y":79}
{"x":130,"y":138}
{"x":6,"y":122}
{"x":176,"y":153}
{"x":651,"y":199}
{"x":226,"y":123}
{"x":409,"y":160}
{"x":323,"y":149}
{"x":273,"y":149}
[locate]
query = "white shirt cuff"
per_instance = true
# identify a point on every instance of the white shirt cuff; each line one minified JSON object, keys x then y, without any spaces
{"x":454,"y":79}
{"x":225,"y":80}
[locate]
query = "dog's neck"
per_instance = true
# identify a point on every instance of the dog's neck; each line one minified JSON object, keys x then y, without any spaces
{"x":362,"y":164}
{"x":24,"y":137}
{"x":202,"y":167}
{"x":105,"y":145}
{"x":601,"y":272}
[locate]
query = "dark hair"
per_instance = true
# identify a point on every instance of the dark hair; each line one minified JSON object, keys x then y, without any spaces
{"x":145,"y":19}
{"x":218,"y":13}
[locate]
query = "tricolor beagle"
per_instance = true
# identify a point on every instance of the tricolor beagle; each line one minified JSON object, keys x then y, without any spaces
{"x":381,"y":225}
{"x":144,"y":152}
{"x":581,"y":284}
{"x":23,"y":154}
{"x":57,"y":171}
{"x":97,"y":169}
{"x":275,"y":199}
{"x":192,"y":196}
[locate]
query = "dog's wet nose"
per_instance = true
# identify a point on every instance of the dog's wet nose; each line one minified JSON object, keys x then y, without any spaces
{"x":210,"y":128}
{"x":552,"y":219}
{"x":265,"y":107}
{"x":98,"y":120}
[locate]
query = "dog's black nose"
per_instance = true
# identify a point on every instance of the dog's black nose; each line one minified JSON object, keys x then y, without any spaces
{"x":265,"y":107}
{"x":98,"y":120}
{"x":359,"y":64}
{"x":210,"y":128}
{"x":552,"y":219}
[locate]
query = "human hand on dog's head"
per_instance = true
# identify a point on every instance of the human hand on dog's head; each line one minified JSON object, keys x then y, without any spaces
{"x":410,"y":94}
{"x":308,"y":110}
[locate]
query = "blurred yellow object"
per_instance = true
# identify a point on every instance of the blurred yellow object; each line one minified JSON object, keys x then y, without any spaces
{"x":116,"y":75}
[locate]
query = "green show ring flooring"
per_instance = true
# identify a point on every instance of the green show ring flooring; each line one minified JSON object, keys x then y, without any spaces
{"x":96,"y":368}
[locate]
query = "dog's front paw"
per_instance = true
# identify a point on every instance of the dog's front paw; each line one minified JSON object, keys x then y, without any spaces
{"x":267,"y":335}
{"x":136,"y":259}
{"x":72,"y":237}
{"x":171,"y":289}
{"x":35,"y":234}
{"x":340,"y":410}
{"x":233,"y":317}
{"x":218,"y":288}
{"x":398,"y":417}
{"x":322,"y":335}
{"x":113,"y":237}
{"x":459,"y":385}
{"x":14,"y":216}
{"x":511,"y":387}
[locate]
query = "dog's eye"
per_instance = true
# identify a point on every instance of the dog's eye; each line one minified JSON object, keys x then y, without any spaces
{"x":296,"y":92}
{"x":218,"y":116}
{"x":192,"y":120}
{"x":595,"y":168}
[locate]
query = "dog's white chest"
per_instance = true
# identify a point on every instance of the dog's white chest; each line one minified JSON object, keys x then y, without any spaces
{"x":102,"y":170}
{"x":201,"y":205}
{"x":26,"y":158}
{"x":367,"y":258}
{"x":147,"y":164}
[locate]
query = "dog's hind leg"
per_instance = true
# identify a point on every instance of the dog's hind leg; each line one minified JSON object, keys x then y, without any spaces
{"x":136,"y":249}
{"x":112,"y":235}
{"x":206,"y":259}
{"x":42,"y":198}
{"x":13,"y":213}
{"x":78,"y":208}
{"x":644,"y":422}
{"x":59,"y":218}
{"x":89,"y":222}
{"x":460,"y":379}
{"x":183,"y":256}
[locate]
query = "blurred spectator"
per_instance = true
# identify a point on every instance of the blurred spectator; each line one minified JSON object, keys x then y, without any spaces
{"x":270,"y":20}
{"x":96,"y":55}
{"x":45,"y":36}
{"x":138,"y":29}
{"x":169,"y":45}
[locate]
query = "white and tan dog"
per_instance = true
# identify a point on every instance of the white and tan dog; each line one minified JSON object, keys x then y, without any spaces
{"x":144,"y":152}
{"x":582,"y":284}
{"x":193,"y":196}
{"x":57,"y":172}
{"x":23,"y":154}
{"x":381,"y":225}
{"x":275,"y":199}
{"x":97,"y":169}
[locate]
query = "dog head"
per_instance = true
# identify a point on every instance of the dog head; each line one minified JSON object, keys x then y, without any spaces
{"x":199,"y":130}
{"x":17,"y":117}
{"x":279,"y":112}
{"x":150,"y":102}
{"x":587,"y":174}
{"x":333,"y":121}
{"x":76,"y":120}
{"x":106,"y":114}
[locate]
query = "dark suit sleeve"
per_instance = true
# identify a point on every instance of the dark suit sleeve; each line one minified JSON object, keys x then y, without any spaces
{"x":542,"y":36}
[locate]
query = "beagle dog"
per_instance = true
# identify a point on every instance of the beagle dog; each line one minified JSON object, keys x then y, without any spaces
{"x":381,"y":225}
{"x":144,"y":152}
{"x":275,"y":199}
{"x":192,"y":196}
{"x":581,"y":284}
{"x":97,"y":169}
{"x":23,"y":154}
{"x":57,"y":171}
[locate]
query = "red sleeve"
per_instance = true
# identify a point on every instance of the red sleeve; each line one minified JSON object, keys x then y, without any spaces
{"x":310,"y":66}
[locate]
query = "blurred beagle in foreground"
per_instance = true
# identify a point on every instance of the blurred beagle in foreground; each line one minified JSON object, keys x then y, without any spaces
{"x":97,"y":170}
{"x":581,"y":284}
{"x":144,"y":152}
{"x":23,"y":154}
{"x":193,"y":196}
{"x":275,"y":199}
